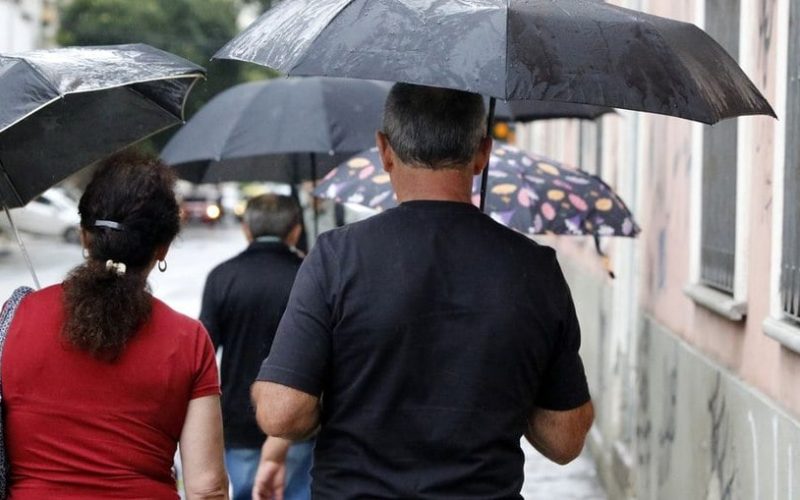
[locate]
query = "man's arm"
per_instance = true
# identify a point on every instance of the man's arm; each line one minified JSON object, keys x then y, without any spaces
{"x":560,"y":435}
{"x":285,"y":412}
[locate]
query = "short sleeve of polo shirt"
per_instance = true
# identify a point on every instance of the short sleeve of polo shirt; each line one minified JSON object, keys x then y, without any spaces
{"x":300,"y":353}
{"x":564,"y":385}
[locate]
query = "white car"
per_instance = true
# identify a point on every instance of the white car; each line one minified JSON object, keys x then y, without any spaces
{"x":52,"y":213}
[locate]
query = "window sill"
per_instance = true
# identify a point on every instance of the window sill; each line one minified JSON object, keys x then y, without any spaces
{"x":788,"y":334}
{"x":716,"y":301}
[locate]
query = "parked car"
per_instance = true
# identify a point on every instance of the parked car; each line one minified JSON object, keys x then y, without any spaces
{"x":53,"y":213}
{"x":198,"y":208}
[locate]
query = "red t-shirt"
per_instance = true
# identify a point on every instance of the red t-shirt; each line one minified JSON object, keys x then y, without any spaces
{"x":77,"y":427}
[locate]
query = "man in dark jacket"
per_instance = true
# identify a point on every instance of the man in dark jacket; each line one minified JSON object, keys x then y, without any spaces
{"x":243,"y":301}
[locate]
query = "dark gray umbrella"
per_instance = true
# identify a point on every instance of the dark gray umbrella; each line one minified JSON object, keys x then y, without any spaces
{"x":284,"y":130}
{"x":63,"y":109}
{"x":527,"y":111}
{"x":581,"y":51}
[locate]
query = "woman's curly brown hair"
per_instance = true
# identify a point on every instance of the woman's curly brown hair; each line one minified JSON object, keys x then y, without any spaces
{"x":104,"y":310}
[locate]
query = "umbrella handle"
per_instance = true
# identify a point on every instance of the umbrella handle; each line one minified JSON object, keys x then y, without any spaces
{"x":485,"y":175}
{"x":22,"y":246}
{"x":605,"y":259}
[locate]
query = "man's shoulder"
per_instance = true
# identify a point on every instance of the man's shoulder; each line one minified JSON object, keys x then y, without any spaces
{"x":247,"y":258}
{"x":353,"y":230}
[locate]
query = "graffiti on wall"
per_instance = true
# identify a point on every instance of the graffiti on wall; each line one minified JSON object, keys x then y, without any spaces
{"x":723,"y":474}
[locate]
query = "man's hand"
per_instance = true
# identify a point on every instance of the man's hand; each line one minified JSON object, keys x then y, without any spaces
{"x":270,"y":477}
{"x":269,"y":481}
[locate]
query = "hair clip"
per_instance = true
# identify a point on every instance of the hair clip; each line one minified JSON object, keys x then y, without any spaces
{"x":110,"y":224}
{"x":119,"y":268}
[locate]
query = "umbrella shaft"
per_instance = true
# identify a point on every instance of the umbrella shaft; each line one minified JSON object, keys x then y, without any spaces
{"x":313,"y":198}
{"x":485,"y":176}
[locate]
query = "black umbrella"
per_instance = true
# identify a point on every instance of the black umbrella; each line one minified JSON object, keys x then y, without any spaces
{"x":64,"y":109}
{"x":581,"y":51}
{"x":285,"y":130}
{"x":276,"y":130}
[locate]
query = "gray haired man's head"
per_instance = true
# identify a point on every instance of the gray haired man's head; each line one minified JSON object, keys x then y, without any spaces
{"x":271,"y":215}
{"x":432,"y":127}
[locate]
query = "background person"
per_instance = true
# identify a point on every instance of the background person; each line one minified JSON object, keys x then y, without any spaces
{"x":101,"y":380}
{"x":243,"y":301}
{"x":437,"y":336}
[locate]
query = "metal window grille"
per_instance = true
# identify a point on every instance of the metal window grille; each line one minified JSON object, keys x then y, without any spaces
{"x":718,"y":237}
{"x":790,"y":262}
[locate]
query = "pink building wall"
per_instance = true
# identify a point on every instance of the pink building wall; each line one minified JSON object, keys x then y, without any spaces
{"x":653,"y":161}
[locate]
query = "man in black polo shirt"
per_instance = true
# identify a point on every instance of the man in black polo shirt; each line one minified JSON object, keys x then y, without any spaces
{"x":243,"y":301}
{"x":425,"y":341}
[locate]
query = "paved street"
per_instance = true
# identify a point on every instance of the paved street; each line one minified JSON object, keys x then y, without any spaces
{"x":191,"y":257}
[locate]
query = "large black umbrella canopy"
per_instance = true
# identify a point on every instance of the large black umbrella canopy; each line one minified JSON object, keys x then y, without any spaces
{"x":278,"y":130}
{"x":63,"y":109}
{"x":581,"y":51}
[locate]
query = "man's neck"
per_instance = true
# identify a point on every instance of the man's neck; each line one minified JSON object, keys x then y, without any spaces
{"x":411,"y":183}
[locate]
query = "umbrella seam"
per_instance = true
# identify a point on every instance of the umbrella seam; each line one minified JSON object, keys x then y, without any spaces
{"x":311,"y":42}
{"x":10,"y":184}
{"x":233,"y":129}
{"x":678,"y":60}
{"x":41,"y":75}
{"x":65,"y":94}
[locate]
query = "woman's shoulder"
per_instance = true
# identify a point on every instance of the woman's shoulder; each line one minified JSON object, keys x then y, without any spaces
{"x":45,"y":298}
{"x":176,"y":321}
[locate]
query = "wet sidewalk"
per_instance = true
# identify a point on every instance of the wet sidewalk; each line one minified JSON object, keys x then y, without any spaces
{"x":545,"y":480}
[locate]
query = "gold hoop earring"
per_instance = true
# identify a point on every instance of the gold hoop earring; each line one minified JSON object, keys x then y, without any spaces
{"x":162,"y":265}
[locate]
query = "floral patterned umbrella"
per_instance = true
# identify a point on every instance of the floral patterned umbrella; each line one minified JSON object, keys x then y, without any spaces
{"x":529,"y":193}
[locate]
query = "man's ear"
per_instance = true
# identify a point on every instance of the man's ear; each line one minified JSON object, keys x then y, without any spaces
{"x":294,"y":235}
{"x":385,"y":151}
{"x":247,"y":233}
{"x":482,"y":158}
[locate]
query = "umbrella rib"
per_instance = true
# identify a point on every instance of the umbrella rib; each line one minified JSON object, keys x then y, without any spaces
{"x":129,"y":88}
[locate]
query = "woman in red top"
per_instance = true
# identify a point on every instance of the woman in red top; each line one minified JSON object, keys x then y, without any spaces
{"x":101,"y":381}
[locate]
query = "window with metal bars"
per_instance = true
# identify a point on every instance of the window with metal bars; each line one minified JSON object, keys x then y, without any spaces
{"x":790,"y":261}
{"x":718,"y":233}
